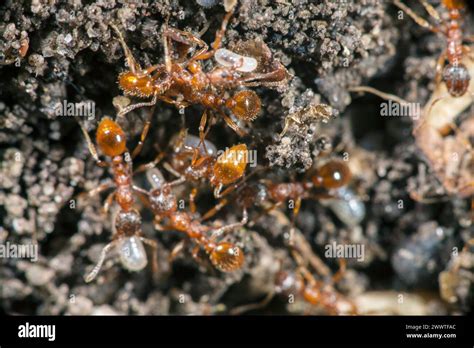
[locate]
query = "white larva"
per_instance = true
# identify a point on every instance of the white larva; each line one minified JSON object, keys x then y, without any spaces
{"x":230,"y":59}
{"x":192,"y":142}
{"x":348,"y":208}
{"x":155,"y":178}
{"x":132,"y":254}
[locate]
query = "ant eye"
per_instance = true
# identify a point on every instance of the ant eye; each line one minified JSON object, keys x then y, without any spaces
{"x":227,"y":257}
{"x":332,"y":175}
{"x":245,"y":105}
{"x":110,"y":138}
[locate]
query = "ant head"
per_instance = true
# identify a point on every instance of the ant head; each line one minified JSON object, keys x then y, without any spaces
{"x":110,"y":138}
{"x":245,"y":105}
{"x":128,"y":223}
{"x":457,"y":79}
{"x":162,"y":200}
{"x":230,"y":166}
{"x":332,"y":175}
{"x":227,"y":257}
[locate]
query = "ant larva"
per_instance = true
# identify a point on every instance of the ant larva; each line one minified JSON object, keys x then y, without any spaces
{"x":225,"y":256}
{"x":127,"y":236}
{"x":182,"y":81}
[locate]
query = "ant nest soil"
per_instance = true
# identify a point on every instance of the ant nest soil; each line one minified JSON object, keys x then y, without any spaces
{"x":404,"y":214}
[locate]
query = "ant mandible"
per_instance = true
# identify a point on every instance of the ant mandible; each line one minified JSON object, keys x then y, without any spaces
{"x":183,"y":81}
{"x":127,"y":235}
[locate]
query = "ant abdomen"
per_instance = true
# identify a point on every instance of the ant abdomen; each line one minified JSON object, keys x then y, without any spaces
{"x":245,"y":105}
{"x":227,"y":257}
{"x":332,"y":175}
{"x":110,"y":138}
{"x":230,"y":166}
{"x":456,"y":77}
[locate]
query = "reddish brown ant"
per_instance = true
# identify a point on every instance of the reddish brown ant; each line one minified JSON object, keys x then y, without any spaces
{"x":194,"y":161}
{"x":225,"y":256}
{"x":316,"y":292}
{"x":183,"y":81}
{"x":127,"y":235}
{"x":455,"y":74}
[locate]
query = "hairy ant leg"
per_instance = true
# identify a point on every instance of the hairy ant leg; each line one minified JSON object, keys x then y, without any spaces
{"x":132,"y":107}
{"x":417,"y":18}
{"x":186,"y":38}
{"x":103,"y":254}
{"x":91,"y":147}
{"x":154,"y":249}
{"x":218,"y":39}
{"x":224,"y":229}
{"x":144,"y":133}
{"x":131,"y":61}
{"x":232,"y":124}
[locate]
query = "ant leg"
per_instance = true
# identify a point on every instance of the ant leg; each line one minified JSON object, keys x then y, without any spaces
{"x":439,"y":67}
{"x":265,"y":212}
{"x":340,"y":273}
{"x":154,"y":246}
{"x":222,"y":230}
{"x":296,"y":210}
{"x":232,"y":124}
{"x":171,"y":170}
{"x":108,"y":202}
{"x":178,"y":248}
{"x":192,"y":198}
{"x":131,"y":62}
{"x":431,"y":10}
{"x":187,"y":39}
{"x":138,"y":105}
{"x":91,"y":147}
{"x":146,"y":128}
{"x":218,"y":40}
{"x":213,"y":211}
{"x":91,"y":276}
{"x":202,"y":127}
{"x":100,"y":188}
{"x":419,"y":20}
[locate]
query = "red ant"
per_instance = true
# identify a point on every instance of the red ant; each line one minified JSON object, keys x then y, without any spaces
{"x":225,"y":256}
{"x":194,"y":161}
{"x":455,"y":74}
{"x":183,"y":81}
{"x":127,"y":236}
{"x":315,"y":292}
{"x":325,"y":183}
